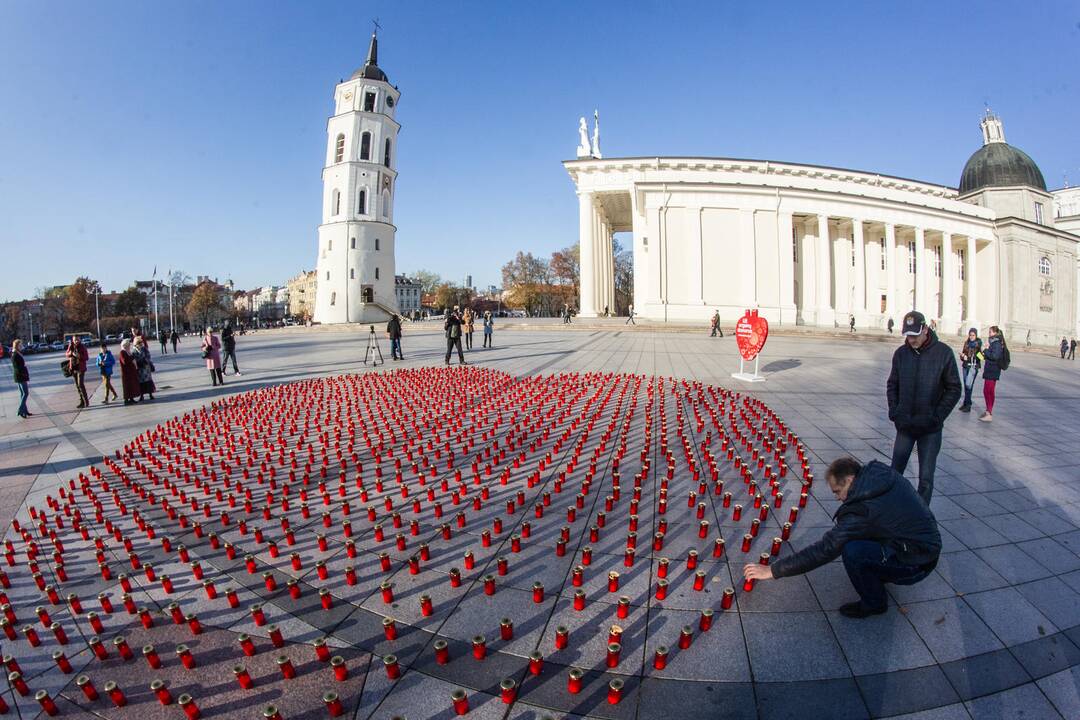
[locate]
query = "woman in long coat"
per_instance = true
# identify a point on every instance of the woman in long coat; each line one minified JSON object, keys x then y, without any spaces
{"x":145,"y":368}
{"x":129,"y":373}
{"x":211,"y":349}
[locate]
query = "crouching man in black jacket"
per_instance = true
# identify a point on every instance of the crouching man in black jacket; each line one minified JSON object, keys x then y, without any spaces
{"x":884,"y":531}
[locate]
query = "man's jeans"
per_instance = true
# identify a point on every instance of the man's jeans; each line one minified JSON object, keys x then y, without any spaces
{"x":24,"y":392}
{"x":395,"y":348}
{"x":970,"y":374}
{"x":870,"y":565}
{"x":929,"y":447}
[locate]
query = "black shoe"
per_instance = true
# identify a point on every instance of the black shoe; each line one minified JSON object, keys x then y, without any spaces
{"x":858,"y":611}
{"x":965,"y":408}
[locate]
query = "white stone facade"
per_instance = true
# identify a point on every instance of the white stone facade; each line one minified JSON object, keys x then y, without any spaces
{"x":355,"y":265}
{"x":815,"y":245}
{"x":407,"y":292}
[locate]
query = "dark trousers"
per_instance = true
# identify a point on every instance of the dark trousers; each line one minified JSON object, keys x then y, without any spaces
{"x":929,"y":446}
{"x":217,"y":376}
{"x":870,"y":565}
{"x":24,"y":393}
{"x":487,"y":339}
{"x":452,"y":343}
{"x":468,"y":340}
{"x":225,"y":360}
{"x":630,"y":320}
{"x":174,"y":347}
{"x":395,"y":348}
{"x":164,"y":351}
{"x":80,"y":386}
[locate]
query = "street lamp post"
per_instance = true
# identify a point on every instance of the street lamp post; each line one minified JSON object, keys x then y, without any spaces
{"x":30,"y":320}
{"x":97,"y":312}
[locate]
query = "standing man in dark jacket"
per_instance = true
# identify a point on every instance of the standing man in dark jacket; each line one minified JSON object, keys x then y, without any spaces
{"x":393,"y":331}
{"x":228,"y":343}
{"x":884,"y":531}
{"x":922,"y":390}
{"x":78,"y":355}
{"x":452,"y":326}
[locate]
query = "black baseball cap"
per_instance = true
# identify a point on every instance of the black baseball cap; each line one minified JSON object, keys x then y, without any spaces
{"x":914,"y":322}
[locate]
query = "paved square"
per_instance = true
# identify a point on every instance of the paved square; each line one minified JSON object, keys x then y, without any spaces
{"x":562,"y":440}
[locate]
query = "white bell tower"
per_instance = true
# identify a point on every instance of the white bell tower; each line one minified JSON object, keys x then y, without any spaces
{"x":355,"y":264}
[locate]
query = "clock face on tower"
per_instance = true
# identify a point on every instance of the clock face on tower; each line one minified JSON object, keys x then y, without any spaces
{"x":389,"y":101}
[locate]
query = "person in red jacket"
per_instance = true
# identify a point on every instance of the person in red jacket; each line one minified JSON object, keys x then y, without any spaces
{"x":77,"y":355}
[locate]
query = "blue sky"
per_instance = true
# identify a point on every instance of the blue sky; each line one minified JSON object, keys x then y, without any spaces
{"x":191,"y":135}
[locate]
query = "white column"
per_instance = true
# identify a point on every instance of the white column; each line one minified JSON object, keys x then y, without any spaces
{"x":890,"y":271}
{"x":949,"y":316}
{"x":920,"y":273}
{"x":786,"y":283}
{"x":747,"y":258}
{"x":825,"y":315}
{"x":972,"y":289}
{"x":588,"y":258}
{"x":860,"y":271}
{"x":609,"y":277}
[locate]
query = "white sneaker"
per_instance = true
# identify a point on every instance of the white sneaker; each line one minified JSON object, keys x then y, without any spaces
{"x":986,"y":417}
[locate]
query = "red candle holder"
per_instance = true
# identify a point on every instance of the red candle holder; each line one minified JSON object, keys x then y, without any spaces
{"x":186,"y":656}
{"x":341,"y":670}
{"x":84,"y":683}
{"x":393,"y":670}
{"x":151,"y":657}
{"x":489,"y":584}
{"x":706,"y":620}
{"x":660,"y":658}
{"x":574,"y":683}
{"x":460,"y":701}
{"x":661,"y":589}
{"x":333,"y":704}
{"x":479,"y":647}
{"x":536,"y":663}
{"x":242,"y":677}
{"x":622,"y":607}
{"x":686,"y":637}
{"x":115,"y":694}
{"x":191,"y":710}
{"x":46,"y":702}
{"x":161,"y":692}
{"x":615,"y":691}
{"x":442,"y":652}
{"x":562,"y":637}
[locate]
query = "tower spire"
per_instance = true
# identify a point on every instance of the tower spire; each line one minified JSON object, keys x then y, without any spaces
{"x":373,"y":48}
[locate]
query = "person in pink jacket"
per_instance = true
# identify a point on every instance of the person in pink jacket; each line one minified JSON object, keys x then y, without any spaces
{"x":211,"y":352}
{"x":77,"y":355}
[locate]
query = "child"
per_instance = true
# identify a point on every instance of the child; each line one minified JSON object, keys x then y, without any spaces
{"x":105,"y":362}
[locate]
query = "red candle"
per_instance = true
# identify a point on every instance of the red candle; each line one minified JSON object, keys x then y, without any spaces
{"x":84,"y":684}
{"x":242,"y":677}
{"x":479,"y":647}
{"x":460,"y":701}
{"x":536,"y":663}
{"x":562,"y":637}
{"x":614,"y":693}
{"x":115,"y":694}
{"x":393,"y":670}
{"x":189,"y":707}
{"x":442,"y":652}
{"x":508,"y":691}
{"x":573,"y":684}
{"x":341,"y":671}
{"x":685,"y":637}
{"x":622,"y":608}
{"x":163,"y":695}
{"x":660,"y":658}
{"x":333,"y":704}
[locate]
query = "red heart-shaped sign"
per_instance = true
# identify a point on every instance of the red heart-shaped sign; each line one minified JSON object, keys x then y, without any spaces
{"x":751,"y":332}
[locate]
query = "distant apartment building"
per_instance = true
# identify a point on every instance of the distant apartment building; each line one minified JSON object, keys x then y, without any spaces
{"x":302,"y":294}
{"x":407,"y":293}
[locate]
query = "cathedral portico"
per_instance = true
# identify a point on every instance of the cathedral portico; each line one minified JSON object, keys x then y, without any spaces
{"x":809,"y":245}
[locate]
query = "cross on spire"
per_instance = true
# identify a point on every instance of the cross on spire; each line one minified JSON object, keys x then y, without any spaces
{"x":375,"y":22}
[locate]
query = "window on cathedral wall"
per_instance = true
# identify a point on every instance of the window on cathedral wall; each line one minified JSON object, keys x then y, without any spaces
{"x":1039,"y":213}
{"x":333,"y":295}
{"x":794,"y":245}
{"x":335,"y":203}
{"x":911,"y":257}
{"x":369,"y":102}
{"x":361,"y":203}
{"x":1044,"y":266}
{"x":352,"y":244}
{"x":881,"y":246}
{"x":937,"y":261}
{"x":386,"y":153}
{"x":365,"y":146}
{"x":376,"y":273}
{"x":852,"y":252}
{"x":339,"y":149}
{"x":961,"y":271}
{"x":352,"y":273}
{"x":376,"y":243}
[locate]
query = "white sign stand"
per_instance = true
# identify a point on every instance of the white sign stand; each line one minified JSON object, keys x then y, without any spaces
{"x":748,"y":377}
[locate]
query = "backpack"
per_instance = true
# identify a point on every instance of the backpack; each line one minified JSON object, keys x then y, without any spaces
{"x":1005,"y":357}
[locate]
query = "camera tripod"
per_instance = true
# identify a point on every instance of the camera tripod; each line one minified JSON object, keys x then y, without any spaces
{"x":373,"y":350}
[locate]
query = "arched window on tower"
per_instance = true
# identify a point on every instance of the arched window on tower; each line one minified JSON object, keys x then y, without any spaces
{"x":361,"y":203}
{"x":335,"y":202}
{"x":365,"y":146}
{"x":386,"y":153}
{"x":339,"y":148}
{"x":386,"y":203}
{"x":1044,"y":266}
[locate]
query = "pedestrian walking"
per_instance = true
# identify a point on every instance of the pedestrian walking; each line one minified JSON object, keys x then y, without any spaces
{"x":174,"y":337}
{"x":1072,"y":349}
{"x":467,"y":320}
{"x":452,"y":327}
{"x":489,"y":328}
{"x":971,"y":361}
{"x":1064,"y":347}
{"x":883,"y":530}
{"x":211,"y":352}
{"x":996,"y":358}
{"x":891,"y":325}
{"x":851,"y":324}
{"x":228,"y":342}
{"x":105,"y":363}
{"x":145,"y":368}
{"x":22,"y":377}
{"x":630,"y":316}
{"x":77,"y":357}
{"x":566,"y":314}
{"x":393,"y":331}
{"x":715,"y":325}
{"x":129,"y":373}
{"x":163,"y":338}
{"x":922,"y":390}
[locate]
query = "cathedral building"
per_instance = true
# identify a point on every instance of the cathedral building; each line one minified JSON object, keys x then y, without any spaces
{"x":813,"y":245}
{"x":355,"y":262}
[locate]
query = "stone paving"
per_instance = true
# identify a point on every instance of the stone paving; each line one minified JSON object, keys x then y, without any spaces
{"x":993,"y":632}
